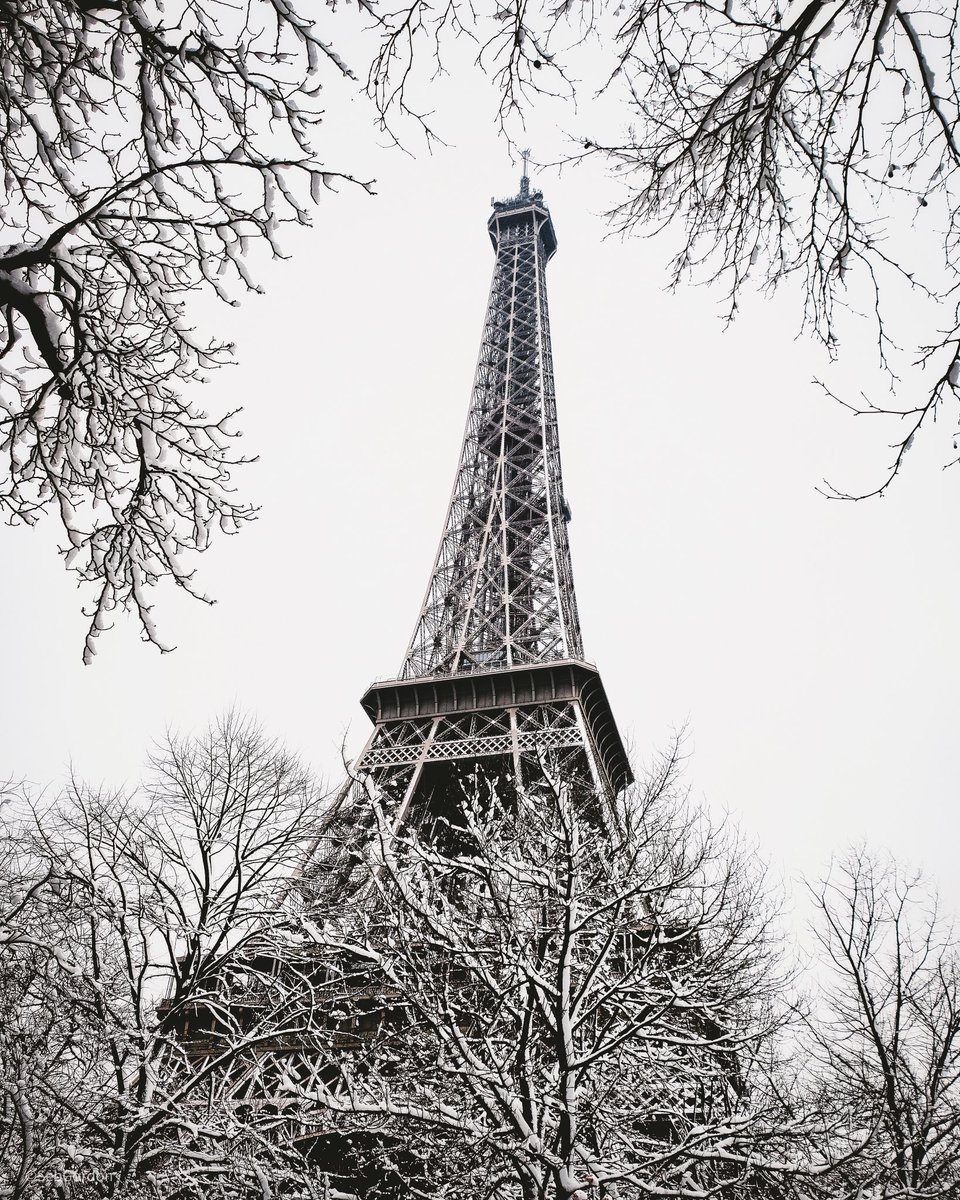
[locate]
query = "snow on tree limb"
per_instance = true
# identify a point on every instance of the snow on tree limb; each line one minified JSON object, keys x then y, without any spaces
{"x":144,"y":152}
{"x":551,"y":1006}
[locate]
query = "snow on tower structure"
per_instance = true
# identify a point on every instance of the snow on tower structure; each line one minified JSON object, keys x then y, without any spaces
{"x":494,"y":674}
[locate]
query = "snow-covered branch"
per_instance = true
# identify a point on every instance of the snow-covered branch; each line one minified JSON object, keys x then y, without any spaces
{"x":145,"y":151}
{"x":551,"y":1005}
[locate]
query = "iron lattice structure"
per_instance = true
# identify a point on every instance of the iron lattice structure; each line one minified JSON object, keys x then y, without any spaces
{"x":493,"y":689}
{"x":501,"y":591}
{"x":494,"y":673}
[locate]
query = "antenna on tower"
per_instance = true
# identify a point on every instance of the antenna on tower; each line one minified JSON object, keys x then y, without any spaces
{"x":524,"y":178}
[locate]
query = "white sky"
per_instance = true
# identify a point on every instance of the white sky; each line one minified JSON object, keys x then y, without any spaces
{"x":811,"y":645}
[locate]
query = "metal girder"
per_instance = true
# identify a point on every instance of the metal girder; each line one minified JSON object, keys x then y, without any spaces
{"x":494,"y":673}
{"x":501,"y":590}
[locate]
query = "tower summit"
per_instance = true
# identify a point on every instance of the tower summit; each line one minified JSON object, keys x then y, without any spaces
{"x":494,"y":674}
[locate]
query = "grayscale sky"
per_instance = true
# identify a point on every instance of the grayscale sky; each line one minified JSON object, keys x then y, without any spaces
{"x":811,"y":647}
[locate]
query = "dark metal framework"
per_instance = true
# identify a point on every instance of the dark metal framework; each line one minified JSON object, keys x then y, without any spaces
{"x":494,"y":672}
{"x":501,"y":590}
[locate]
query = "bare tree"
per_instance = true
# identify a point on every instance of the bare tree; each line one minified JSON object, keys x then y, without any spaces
{"x":144,"y":150}
{"x":34,"y":1030}
{"x":889,"y":1048}
{"x":533,"y":995}
{"x":131,"y":920}
{"x":530,"y":1001}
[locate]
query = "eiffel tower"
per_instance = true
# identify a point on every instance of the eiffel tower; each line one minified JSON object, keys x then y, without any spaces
{"x":493,"y":689}
{"x":494,"y":674}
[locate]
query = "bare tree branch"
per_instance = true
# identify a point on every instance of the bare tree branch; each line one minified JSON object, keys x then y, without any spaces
{"x":143,"y":154}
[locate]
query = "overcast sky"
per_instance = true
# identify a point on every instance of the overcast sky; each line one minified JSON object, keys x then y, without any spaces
{"x":811,"y":646}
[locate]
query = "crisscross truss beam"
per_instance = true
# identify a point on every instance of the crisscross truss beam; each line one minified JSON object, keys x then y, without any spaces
{"x":501,"y":592}
{"x":422,"y":766}
{"x":494,"y":682}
